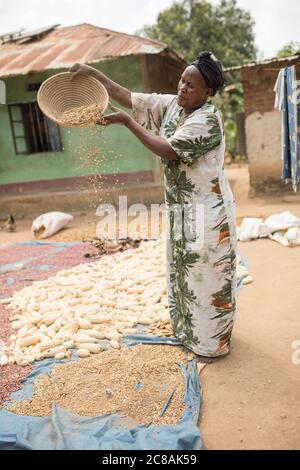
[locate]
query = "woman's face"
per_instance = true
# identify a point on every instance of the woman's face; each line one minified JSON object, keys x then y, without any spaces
{"x":192,"y":89}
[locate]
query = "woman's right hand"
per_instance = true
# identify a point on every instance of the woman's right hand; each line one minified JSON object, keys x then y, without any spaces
{"x":79,"y":70}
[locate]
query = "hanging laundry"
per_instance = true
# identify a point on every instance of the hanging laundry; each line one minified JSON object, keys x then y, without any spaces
{"x":288,"y":102}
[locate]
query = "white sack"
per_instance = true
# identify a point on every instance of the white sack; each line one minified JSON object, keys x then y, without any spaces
{"x":47,"y":224}
{"x":276,"y":222}
{"x":249,"y":229}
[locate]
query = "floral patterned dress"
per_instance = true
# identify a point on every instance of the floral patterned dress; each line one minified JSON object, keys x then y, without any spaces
{"x":201,"y":261}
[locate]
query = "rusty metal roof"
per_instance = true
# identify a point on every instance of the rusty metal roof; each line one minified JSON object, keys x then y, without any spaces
{"x":262,"y":63}
{"x":20,"y":37}
{"x":62,"y":47}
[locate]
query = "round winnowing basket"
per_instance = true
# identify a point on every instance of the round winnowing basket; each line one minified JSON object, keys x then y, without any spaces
{"x":60,"y":93}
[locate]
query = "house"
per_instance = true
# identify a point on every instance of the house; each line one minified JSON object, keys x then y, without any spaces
{"x":35,"y":155}
{"x":263,"y":122}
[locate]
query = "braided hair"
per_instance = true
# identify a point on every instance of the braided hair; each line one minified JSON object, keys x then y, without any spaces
{"x":211,"y":70}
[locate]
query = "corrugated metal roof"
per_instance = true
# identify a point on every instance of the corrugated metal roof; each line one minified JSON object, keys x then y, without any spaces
{"x":64,"y":46}
{"x":11,"y":36}
{"x":20,"y":37}
{"x":264,"y":62}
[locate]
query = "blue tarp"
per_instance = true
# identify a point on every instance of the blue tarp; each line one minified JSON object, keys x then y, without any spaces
{"x":66,"y":431}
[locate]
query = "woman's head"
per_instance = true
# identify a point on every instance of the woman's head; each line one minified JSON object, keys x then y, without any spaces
{"x":200,"y":80}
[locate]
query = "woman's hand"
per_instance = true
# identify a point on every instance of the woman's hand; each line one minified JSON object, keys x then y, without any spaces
{"x":117,"y":117}
{"x":116,"y":92}
{"x":79,"y":70}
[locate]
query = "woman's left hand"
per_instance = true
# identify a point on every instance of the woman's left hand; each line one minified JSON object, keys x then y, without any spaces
{"x":117,"y":117}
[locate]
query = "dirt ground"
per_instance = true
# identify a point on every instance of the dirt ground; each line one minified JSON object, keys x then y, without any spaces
{"x":251,"y":398}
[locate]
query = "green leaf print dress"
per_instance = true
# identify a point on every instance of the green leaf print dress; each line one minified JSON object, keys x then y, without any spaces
{"x":201,"y":234}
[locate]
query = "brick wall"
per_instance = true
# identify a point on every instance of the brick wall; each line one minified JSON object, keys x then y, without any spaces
{"x":258,"y":84}
{"x":263,"y":127}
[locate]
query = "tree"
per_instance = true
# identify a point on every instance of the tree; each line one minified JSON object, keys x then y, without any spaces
{"x":190,"y":26}
{"x":291,"y":48}
{"x":230,"y":102}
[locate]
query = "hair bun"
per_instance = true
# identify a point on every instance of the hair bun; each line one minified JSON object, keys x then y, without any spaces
{"x":211,"y":70}
{"x":205,"y":55}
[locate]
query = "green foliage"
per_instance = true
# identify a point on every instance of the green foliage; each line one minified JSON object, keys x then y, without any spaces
{"x":230,"y":102}
{"x":291,"y":48}
{"x":191,"y":26}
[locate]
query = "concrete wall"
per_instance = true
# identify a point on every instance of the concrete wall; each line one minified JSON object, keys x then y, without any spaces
{"x":263,"y":127}
{"x":263,"y":140}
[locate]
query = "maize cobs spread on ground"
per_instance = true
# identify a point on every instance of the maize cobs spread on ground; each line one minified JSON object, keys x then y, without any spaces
{"x":80,"y":306}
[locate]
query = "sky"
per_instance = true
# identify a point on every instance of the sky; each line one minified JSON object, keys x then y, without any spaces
{"x":277,"y":21}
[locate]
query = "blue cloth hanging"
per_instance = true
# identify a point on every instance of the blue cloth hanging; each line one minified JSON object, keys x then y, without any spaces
{"x":288,"y":102}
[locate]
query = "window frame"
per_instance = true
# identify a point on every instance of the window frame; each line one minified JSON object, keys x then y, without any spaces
{"x":38,"y":135}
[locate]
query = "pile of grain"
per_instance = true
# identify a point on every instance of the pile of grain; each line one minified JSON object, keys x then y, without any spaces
{"x":82,"y":115}
{"x":136,"y":381}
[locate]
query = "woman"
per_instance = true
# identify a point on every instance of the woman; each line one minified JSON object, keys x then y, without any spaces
{"x":186,"y":132}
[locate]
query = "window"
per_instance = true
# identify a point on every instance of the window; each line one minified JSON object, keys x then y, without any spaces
{"x":33,"y":86}
{"x":32,"y":131}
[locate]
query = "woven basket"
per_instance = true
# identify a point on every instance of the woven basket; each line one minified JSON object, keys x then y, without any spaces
{"x":59,"y":93}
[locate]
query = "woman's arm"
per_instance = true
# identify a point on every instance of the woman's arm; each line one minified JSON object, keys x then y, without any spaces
{"x":154,"y":143}
{"x":116,"y":92}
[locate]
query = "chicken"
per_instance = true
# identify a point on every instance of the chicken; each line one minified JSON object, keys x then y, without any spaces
{"x":10,"y":224}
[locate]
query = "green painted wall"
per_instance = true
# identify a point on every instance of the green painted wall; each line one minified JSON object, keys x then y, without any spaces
{"x":85,"y":151}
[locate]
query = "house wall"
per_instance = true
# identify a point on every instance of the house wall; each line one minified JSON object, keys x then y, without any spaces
{"x":160,"y":74}
{"x":85,"y":151}
{"x":263,"y":126}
